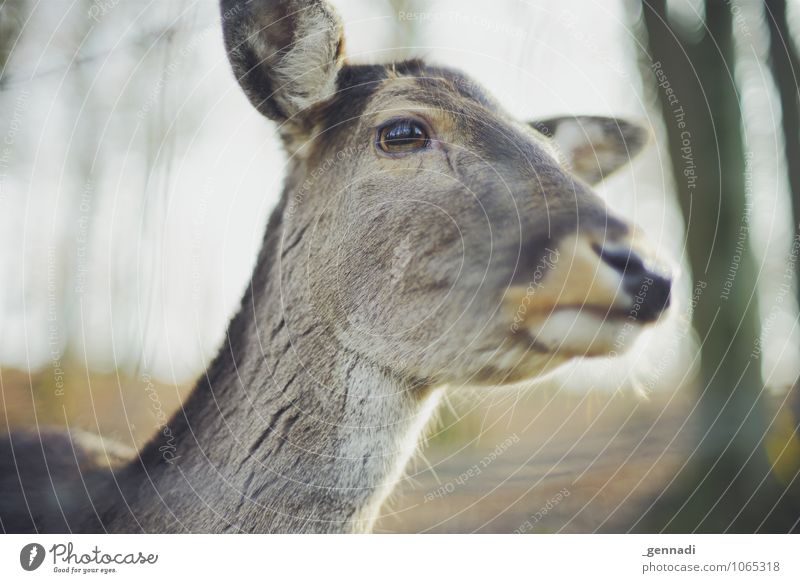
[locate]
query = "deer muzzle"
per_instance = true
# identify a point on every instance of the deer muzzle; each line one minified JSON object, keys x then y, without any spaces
{"x":587,"y":291}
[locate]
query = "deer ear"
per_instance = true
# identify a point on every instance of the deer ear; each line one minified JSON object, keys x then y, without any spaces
{"x":285,"y":54}
{"x":594,"y":147}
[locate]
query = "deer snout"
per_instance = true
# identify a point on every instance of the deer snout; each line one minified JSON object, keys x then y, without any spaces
{"x":591,"y":293}
{"x":650,"y":289}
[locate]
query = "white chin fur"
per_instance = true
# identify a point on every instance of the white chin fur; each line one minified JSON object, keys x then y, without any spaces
{"x":579,"y":333}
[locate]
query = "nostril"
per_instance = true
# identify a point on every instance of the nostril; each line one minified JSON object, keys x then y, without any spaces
{"x":652,"y":296}
{"x":623,"y":259}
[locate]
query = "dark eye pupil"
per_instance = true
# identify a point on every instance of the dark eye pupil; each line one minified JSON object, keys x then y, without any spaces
{"x":403,"y":133}
{"x":402,"y":137}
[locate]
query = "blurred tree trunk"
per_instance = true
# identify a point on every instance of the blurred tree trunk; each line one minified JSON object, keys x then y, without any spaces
{"x":786,"y":72}
{"x":12,"y":15}
{"x":783,"y":60}
{"x":727,"y":484}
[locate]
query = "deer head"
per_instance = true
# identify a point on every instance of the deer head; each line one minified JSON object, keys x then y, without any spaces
{"x":427,"y":229}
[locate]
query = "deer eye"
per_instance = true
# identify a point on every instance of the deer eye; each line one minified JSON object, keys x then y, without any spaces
{"x":402,"y":137}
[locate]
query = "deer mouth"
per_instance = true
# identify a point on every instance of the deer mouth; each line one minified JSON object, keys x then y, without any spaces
{"x":584,"y":331}
{"x":636,"y":314}
{"x":609,"y":279}
{"x":591,"y":298}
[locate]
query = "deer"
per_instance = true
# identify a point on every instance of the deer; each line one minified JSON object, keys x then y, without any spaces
{"x":425,"y":241}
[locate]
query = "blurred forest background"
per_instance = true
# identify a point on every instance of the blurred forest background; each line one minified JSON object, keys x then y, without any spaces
{"x":136,"y":180}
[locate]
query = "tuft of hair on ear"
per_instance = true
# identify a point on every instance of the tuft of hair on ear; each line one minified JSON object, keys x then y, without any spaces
{"x":593,"y":147}
{"x":285,"y":54}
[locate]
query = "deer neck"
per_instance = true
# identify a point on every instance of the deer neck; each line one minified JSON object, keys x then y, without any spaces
{"x":287,"y":431}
